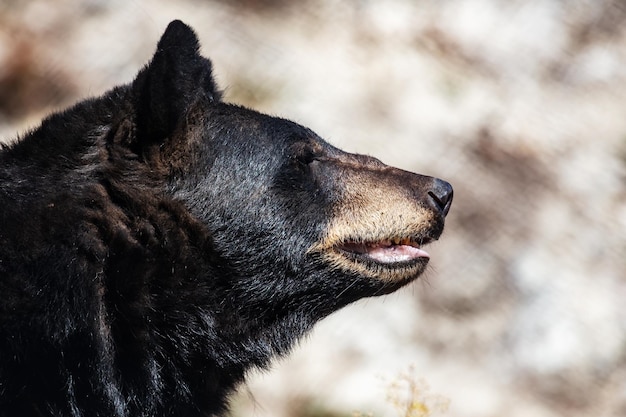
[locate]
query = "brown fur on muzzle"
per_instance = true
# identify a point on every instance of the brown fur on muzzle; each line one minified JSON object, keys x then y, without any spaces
{"x":382,"y":217}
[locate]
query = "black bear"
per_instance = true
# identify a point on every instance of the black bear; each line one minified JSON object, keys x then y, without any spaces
{"x":156,"y":243}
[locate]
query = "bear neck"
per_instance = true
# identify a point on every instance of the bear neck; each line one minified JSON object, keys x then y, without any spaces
{"x":168,"y":289}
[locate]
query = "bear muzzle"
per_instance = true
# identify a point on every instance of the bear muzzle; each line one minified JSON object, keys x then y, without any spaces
{"x":383,"y":218}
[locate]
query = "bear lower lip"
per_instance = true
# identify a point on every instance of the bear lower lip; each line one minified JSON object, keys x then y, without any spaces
{"x":386,"y":252}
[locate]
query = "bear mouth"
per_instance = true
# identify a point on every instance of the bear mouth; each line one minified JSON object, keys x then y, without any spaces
{"x":391,"y":252}
{"x":394,"y":259}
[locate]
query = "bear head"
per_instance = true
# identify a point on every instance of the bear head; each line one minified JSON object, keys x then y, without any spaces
{"x":284,"y":208}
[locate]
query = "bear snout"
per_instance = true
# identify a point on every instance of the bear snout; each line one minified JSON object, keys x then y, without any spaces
{"x":382,"y":217}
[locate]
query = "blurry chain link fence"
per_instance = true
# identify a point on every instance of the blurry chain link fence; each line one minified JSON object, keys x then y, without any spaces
{"x":521,"y":105}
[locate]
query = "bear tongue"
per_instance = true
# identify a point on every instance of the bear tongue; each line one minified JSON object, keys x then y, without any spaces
{"x":395,"y":253}
{"x":385,"y":253}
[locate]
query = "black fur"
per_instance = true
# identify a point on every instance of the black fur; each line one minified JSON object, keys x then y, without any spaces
{"x":154,"y":245}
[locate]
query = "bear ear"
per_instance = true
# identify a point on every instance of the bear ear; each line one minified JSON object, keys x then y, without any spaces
{"x":176,"y":78}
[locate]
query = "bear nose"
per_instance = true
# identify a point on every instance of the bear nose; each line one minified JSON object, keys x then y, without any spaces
{"x":441,"y":196}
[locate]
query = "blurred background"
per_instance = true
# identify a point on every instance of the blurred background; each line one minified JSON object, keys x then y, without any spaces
{"x":521,"y":105}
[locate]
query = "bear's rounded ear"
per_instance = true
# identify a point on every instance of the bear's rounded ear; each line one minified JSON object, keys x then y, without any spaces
{"x":176,"y":78}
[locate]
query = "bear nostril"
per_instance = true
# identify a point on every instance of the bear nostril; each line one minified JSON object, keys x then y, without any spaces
{"x":441,"y":195}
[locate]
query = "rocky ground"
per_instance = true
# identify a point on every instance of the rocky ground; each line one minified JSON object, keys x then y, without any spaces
{"x":520,"y":105}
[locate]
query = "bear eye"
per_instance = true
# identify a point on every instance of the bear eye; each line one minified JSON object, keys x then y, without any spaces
{"x":306,"y":156}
